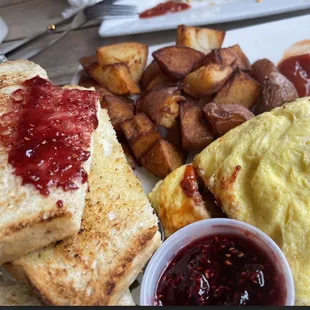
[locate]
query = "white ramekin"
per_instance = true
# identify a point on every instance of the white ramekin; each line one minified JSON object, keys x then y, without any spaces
{"x":202,"y":229}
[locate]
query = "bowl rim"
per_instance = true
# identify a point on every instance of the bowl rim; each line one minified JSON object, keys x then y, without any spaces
{"x":230,"y":223}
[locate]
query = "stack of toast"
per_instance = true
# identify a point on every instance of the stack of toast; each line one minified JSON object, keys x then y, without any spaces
{"x":90,"y":250}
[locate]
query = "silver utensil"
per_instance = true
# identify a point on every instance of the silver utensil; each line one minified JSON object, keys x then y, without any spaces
{"x":49,"y":29}
{"x":52,"y":28}
{"x":102,"y":11}
{"x":85,"y":15}
{"x":41,"y":45}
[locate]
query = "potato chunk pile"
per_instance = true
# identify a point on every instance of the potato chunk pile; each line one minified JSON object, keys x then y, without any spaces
{"x":189,"y":95}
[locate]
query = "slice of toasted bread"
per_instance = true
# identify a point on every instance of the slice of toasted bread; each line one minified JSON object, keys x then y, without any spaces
{"x":18,"y":293}
{"x":119,"y":234}
{"x":28,"y":220}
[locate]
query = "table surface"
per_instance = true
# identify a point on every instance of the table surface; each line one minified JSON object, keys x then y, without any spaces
{"x":26,"y":17}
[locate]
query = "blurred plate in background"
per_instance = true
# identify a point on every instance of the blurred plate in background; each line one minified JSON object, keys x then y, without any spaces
{"x":202,"y":12}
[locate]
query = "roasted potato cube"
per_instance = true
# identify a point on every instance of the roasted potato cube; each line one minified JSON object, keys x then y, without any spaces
{"x":133,"y":54}
{"x":88,"y":61}
{"x":173,"y":134}
{"x":177,"y":61}
{"x":276,"y":88}
{"x":150,"y":73}
{"x":102,"y":91}
{"x":201,"y":39}
{"x":206,"y":80}
{"x":159,"y":81}
{"x":161,"y":105}
{"x":261,"y":69}
{"x":195,"y":133}
{"x":140,"y":133}
{"x":239,"y":89}
{"x":162,"y":158}
{"x":116,"y":78}
{"x":211,"y":58}
{"x":224,"y":117}
{"x":119,"y":110}
{"x":234,"y":56}
{"x":129,"y":155}
{"x":87,"y":82}
{"x":89,"y":64}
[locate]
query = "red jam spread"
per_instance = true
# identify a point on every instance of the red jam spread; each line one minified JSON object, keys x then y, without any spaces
{"x":164,"y":8}
{"x":50,"y":134}
{"x":189,"y":182}
{"x":297,"y":70}
{"x":221,"y":270}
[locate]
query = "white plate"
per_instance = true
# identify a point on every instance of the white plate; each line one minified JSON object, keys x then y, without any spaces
{"x":203,"y":12}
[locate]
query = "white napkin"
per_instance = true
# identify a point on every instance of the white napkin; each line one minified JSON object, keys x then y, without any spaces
{"x":3,"y":30}
{"x":77,"y":5}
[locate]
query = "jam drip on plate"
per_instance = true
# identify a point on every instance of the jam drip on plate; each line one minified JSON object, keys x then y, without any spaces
{"x":164,"y":8}
{"x":51,"y":134}
{"x":221,"y":270}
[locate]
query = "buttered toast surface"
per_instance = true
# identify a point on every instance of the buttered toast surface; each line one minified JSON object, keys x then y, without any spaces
{"x":28,"y":219}
{"x":119,"y":233}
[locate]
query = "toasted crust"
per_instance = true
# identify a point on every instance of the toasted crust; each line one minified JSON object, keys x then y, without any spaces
{"x":119,"y":234}
{"x":15,"y":72}
{"x":19,"y":293}
{"x":28,"y":220}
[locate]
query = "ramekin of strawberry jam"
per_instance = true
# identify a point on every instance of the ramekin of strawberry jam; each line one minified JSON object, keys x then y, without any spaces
{"x":218,"y":262}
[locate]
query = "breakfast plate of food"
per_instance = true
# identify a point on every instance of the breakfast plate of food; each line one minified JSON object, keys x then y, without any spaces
{"x":164,"y":175}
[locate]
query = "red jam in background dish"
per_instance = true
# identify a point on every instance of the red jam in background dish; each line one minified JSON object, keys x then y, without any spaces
{"x":50,"y":134}
{"x":221,"y":270}
{"x":164,"y":8}
{"x":297,"y":70}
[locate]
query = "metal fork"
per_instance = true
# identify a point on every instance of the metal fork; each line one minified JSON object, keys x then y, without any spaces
{"x":98,"y":11}
{"x":101,"y":11}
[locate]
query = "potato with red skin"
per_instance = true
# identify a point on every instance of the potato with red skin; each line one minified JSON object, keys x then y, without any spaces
{"x":161,"y":80}
{"x":195,"y":134}
{"x":119,"y":109}
{"x":212,"y":58}
{"x":234,"y":56}
{"x":206,"y":80}
{"x":177,"y":61}
{"x":229,"y":56}
{"x":162,"y":158}
{"x":150,"y":73}
{"x":173,"y":134}
{"x":239,"y":89}
{"x":140,"y":134}
{"x":161,"y":105}
{"x":276,"y":88}
{"x":225,"y":117}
